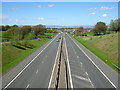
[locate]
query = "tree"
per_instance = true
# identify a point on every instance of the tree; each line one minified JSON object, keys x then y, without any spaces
{"x":10,"y":33}
{"x":7,"y":27}
{"x":2,"y":28}
{"x":24,"y":31}
{"x":114,"y":25}
{"x":99,"y":28}
{"x":13,"y":34}
{"x":79,"y":31}
{"x":39,"y":29}
{"x":119,"y":24}
{"x":14,"y":26}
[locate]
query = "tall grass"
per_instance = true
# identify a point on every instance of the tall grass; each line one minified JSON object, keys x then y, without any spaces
{"x":105,"y":47}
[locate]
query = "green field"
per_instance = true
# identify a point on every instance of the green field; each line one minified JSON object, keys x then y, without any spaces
{"x":105,"y":47}
{"x":12,"y":55}
{"x":49,"y":34}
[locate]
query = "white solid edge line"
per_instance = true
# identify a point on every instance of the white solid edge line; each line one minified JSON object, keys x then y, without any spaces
{"x":28,"y":64}
{"x":54,"y":66}
{"x":68,"y":65}
{"x":94,"y":63}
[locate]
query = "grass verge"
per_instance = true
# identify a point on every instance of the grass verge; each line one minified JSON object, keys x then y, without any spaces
{"x":11,"y":55}
{"x":105,"y":47}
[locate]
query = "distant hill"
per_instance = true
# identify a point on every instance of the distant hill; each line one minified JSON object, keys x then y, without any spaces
{"x":61,"y":26}
{"x":58,"y":26}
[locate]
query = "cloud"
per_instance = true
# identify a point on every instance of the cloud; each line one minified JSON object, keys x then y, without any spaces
{"x":39,"y":6}
{"x":40,"y":19}
{"x":8,"y":20}
{"x":104,"y":15}
{"x":4,"y":18}
{"x":51,"y":5}
{"x":106,"y":8}
{"x":14,"y":9}
{"x":93,"y":13}
{"x":92,"y":9}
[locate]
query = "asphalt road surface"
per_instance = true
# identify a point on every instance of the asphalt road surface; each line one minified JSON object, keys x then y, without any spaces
{"x":87,"y":70}
{"x":37,"y":74}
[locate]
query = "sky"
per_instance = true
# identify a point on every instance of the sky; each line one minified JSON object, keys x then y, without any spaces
{"x":58,"y":13}
{"x":60,"y":0}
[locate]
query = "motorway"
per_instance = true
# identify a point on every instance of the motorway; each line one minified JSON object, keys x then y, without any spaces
{"x":85,"y":72}
{"x":86,"y":69}
{"x":38,"y":73}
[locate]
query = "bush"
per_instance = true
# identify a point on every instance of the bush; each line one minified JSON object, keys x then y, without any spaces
{"x":27,"y":44}
{"x":108,"y":33}
{"x":30,"y":36}
{"x":17,"y":44}
{"x":22,"y":45}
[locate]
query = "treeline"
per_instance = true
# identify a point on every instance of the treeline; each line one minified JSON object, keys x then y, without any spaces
{"x":101,"y":28}
{"x":20,"y":33}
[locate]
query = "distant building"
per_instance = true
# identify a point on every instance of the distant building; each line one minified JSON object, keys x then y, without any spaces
{"x":87,"y":30}
{"x":71,"y":31}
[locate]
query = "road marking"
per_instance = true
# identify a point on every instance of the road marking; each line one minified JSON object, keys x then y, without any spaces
{"x":82,"y":78}
{"x":93,"y":63}
{"x":27,"y":86}
{"x":54,"y":65}
{"x":29,"y":63}
{"x":86,"y":73}
{"x":42,"y":61}
{"x":37,"y":71}
{"x":68,"y":66}
{"x":77,"y":57}
{"x":89,"y":80}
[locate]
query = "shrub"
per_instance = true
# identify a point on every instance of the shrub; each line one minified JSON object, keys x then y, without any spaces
{"x":17,"y":44}
{"x":30,"y":36}
{"x":22,"y":44}
{"x":27,"y":44}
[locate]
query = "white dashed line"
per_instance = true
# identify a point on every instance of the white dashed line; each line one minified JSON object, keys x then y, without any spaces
{"x":36,"y":71}
{"x":81,"y":63}
{"x":81,"y":78}
{"x":86,"y":73}
{"x":94,"y":64}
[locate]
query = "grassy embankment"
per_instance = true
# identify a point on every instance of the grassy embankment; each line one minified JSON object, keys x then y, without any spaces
{"x":12,"y":55}
{"x":105,"y":47}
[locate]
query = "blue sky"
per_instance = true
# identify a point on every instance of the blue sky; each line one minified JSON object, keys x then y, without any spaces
{"x":58,"y":13}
